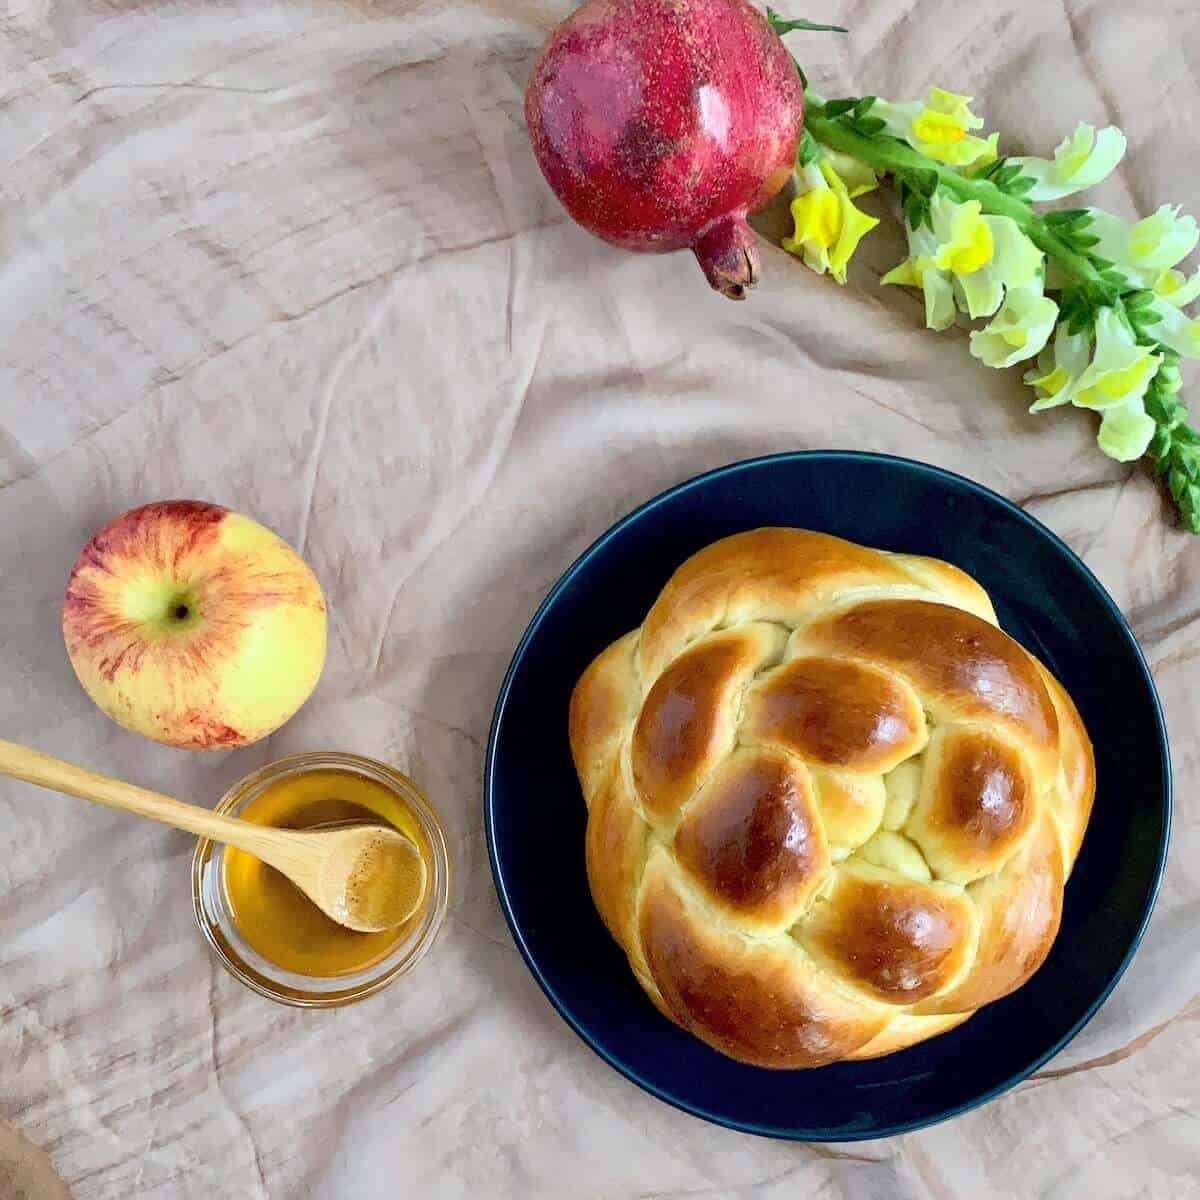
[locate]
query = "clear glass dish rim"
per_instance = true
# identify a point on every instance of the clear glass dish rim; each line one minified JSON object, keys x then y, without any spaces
{"x":387,"y":970}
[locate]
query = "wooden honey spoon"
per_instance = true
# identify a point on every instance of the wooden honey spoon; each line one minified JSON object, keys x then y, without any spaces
{"x":365,"y":877}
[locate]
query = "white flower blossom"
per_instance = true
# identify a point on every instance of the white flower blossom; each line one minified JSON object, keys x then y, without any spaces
{"x":1080,"y":161}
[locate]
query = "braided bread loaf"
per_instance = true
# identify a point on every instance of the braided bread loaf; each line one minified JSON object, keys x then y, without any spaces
{"x":831,"y":806}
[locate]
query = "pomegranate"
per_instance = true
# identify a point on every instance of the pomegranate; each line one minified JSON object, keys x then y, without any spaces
{"x":661,"y":123}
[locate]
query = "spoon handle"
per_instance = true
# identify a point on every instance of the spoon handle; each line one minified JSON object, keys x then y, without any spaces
{"x":32,"y":766}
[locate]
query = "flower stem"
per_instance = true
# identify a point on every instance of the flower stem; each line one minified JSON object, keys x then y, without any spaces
{"x":891,"y":155}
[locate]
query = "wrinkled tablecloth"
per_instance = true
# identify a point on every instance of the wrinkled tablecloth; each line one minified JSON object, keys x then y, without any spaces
{"x":296,"y":257}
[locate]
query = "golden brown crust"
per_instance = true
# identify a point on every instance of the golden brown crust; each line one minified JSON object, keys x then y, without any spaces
{"x":779,"y":575}
{"x":835,"y":713}
{"x":605,"y":700}
{"x":751,"y":1000}
{"x":907,"y":1030}
{"x":949,"y":583}
{"x":1077,"y":781}
{"x":832,"y":805}
{"x":976,"y":806}
{"x":963,"y":668}
{"x":616,"y":853}
{"x":687,"y":722}
{"x":753,"y":840}
{"x":895,"y":938}
{"x":851,"y":806}
{"x":1019,"y":910}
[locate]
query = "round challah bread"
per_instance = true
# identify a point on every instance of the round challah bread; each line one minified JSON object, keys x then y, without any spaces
{"x":831,"y":806}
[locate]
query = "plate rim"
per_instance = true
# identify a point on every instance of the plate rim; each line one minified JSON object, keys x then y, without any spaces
{"x":551,"y":598}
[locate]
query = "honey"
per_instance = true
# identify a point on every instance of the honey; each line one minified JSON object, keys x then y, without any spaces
{"x":275,"y":917}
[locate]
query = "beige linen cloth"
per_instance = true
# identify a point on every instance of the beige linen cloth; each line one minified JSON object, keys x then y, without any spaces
{"x":297,"y":258}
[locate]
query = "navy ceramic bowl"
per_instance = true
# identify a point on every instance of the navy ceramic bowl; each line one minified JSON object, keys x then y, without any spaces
{"x":1045,"y":597}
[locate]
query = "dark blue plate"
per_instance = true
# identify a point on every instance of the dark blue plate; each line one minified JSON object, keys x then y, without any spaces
{"x":1045,"y":597}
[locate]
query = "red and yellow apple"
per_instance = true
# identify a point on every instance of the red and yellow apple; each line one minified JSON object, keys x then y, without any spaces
{"x":194,"y":625}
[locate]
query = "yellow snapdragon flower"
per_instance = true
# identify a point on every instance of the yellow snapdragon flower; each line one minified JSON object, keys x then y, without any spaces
{"x":1113,"y":382}
{"x":857,"y":176}
{"x":1058,"y":369}
{"x":1125,"y":431}
{"x":940,"y":128}
{"x":1144,"y":250}
{"x":1120,"y":369}
{"x":1080,"y":161}
{"x":965,"y":240}
{"x":828,"y":227}
{"x":1019,"y":330}
{"x":966,"y":261}
{"x":918,"y":271}
{"x":1174,"y":328}
{"x":1176,"y":288}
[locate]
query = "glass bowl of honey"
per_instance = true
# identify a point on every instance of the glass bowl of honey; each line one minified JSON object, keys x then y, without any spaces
{"x":270,"y":935}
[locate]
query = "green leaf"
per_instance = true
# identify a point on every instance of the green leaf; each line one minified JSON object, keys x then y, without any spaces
{"x":922,"y":181}
{"x":837,"y":108}
{"x":1007,"y":177}
{"x":915,"y":189}
{"x":1175,"y":452}
{"x":1155,"y":407}
{"x":808,"y":150}
{"x":914,"y":206}
{"x":1189,"y":510}
{"x":1076,"y":219}
{"x":855,"y":113}
{"x":1159,"y":444}
{"x":1078,"y":307}
{"x":870,"y":126}
{"x":782,"y":25}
